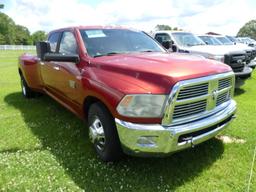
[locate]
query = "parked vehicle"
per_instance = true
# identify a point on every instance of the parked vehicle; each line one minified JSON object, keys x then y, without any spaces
{"x":186,"y":42}
{"x":136,"y":97}
{"x":246,"y":40}
{"x":218,"y":40}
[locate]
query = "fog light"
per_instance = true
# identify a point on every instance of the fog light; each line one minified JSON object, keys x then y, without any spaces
{"x":147,"y":141}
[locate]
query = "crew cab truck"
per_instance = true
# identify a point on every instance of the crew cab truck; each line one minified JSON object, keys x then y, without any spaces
{"x":136,"y":97}
{"x":186,"y":42}
{"x":219,"y":40}
{"x":250,"y":51}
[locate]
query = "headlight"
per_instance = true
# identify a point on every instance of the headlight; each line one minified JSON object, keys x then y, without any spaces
{"x":217,"y":58}
{"x":142,"y":105}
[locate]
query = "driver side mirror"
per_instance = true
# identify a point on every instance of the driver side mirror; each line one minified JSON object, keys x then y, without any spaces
{"x":42,"y":47}
{"x":166,"y":44}
{"x":173,"y":46}
{"x":170,"y":44}
{"x":74,"y":58}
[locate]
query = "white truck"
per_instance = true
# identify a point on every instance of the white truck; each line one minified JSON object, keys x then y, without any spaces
{"x":186,"y":42}
{"x":219,"y":40}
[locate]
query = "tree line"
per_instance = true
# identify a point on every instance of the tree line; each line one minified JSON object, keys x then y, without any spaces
{"x":12,"y":34}
{"x":248,"y":30}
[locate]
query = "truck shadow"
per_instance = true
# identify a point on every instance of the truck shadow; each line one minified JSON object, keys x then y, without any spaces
{"x":65,"y":136}
{"x":239,"y":91}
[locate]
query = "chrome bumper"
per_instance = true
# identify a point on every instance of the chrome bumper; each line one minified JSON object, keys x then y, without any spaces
{"x":157,"y":140}
{"x":252,"y":64}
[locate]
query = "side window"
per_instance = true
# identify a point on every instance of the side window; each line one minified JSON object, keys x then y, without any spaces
{"x":53,"y":40}
{"x":68,"y":43}
{"x":162,"y":37}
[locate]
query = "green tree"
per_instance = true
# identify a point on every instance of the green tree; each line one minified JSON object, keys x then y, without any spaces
{"x":2,"y":39}
{"x":248,"y":30}
{"x":163,"y":27}
{"x":38,"y":36}
{"x":7,"y":29}
{"x":22,"y":35}
{"x":166,"y":27}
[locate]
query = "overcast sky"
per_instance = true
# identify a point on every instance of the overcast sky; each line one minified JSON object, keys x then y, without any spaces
{"x":199,"y":16}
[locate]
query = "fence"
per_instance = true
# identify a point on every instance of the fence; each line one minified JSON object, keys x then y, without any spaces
{"x":17,"y":47}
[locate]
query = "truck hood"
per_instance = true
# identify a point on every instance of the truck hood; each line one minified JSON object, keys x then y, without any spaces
{"x":243,"y":47}
{"x":154,"y":73}
{"x":219,"y":50}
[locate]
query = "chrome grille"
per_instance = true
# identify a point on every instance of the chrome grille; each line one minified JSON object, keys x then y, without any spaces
{"x":193,"y":91}
{"x":197,"y":98}
{"x":224,"y":83}
{"x":189,"y":109}
{"x":222,"y":98}
{"x":235,"y":61}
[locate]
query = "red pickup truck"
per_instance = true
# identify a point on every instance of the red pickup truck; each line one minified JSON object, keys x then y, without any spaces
{"x":136,"y":96}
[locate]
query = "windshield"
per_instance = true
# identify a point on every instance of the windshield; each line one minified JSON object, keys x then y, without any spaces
{"x":232,"y":39}
{"x":225,"y":41}
{"x":102,"y":42}
{"x":244,"y":40}
{"x":249,"y":40}
{"x":210,"y":40}
{"x":187,"y":39}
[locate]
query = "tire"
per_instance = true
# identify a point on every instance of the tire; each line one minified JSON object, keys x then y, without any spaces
{"x":103,"y":133}
{"x":26,"y":91}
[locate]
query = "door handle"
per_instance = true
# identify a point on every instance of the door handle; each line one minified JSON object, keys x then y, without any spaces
{"x":56,"y":68}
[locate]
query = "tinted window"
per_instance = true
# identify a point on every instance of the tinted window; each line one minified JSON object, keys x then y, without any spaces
{"x":68,"y":43}
{"x":162,"y":37}
{"x":53,"y":40}
{"x":101,"y":42}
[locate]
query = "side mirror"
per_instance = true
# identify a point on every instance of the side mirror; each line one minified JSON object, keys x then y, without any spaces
{"x":174,"y":48}
{"x":42,"y":47}
{"x":60,"y":57}
{"x":166,"y":44}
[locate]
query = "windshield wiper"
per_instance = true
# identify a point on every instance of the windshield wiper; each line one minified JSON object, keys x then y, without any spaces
{"x":148,"y":51}
{"x":108,"y":54}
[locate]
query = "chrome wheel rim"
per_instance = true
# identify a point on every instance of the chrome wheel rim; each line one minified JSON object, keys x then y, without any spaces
{"x":23,"y":87}
{"x":96,"y":134}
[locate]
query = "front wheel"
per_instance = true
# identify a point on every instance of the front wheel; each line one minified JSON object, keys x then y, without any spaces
{"x":26,"y":91}
{"x":103,"y":133}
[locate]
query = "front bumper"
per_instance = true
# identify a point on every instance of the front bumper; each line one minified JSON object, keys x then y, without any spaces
{"x":252,"y":64}
{"x":157,"y":140}
{"x":246,"y":73}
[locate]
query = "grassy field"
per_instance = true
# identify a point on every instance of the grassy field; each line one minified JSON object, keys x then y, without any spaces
{"x":44,"y":147}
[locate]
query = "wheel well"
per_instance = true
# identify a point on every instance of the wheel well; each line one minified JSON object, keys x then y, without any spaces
{"x":88,"y":102}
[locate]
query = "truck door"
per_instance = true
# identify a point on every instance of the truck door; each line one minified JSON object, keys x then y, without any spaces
{"x":68,"y":79}
{"x":48,"y":69}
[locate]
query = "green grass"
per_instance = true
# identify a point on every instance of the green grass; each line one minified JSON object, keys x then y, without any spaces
{"x":44,"y":147}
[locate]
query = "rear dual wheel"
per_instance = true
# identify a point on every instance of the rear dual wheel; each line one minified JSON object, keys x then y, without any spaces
{"x":27,"y":92}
